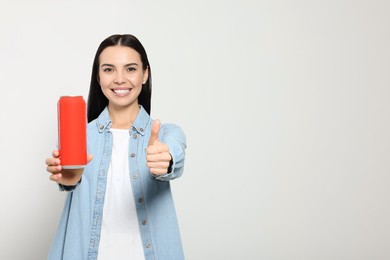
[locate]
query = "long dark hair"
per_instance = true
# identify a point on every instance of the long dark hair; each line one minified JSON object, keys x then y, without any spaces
{"x":96,"y":99}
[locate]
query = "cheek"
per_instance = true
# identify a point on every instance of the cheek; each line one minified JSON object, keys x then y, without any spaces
{"x":136,"y":79}
{"x":104,"y":81}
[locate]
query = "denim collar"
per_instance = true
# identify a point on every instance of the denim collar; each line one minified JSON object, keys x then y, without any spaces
{"x":140,"y":123}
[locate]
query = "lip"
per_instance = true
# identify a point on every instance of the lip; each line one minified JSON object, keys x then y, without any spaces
{"x":121,"y":92}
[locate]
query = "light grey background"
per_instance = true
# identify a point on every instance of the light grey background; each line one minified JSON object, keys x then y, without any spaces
{"x":285,"y":105}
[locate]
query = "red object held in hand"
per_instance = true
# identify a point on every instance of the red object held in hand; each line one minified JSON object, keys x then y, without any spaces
{"x":72,"y":132}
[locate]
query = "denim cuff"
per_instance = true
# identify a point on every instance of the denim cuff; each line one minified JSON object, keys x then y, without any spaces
{"x":68,"y":188}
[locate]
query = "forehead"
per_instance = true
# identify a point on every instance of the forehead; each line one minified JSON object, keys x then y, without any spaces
{"x":119,"y":55}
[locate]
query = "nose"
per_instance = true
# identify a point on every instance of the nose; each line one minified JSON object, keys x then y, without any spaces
{"x":119,"y":78}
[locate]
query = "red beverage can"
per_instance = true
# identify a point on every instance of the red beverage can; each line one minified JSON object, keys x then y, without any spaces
{"x":72,"y":132}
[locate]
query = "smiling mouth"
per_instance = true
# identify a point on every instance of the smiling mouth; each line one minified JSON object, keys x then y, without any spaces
{"x":121,"y":92}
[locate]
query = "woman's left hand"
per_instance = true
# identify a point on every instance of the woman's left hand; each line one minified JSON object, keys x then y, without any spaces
{"x":158,"y":157}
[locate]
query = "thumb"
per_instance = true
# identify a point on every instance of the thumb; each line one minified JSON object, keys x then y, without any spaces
{"x":154,"y":133}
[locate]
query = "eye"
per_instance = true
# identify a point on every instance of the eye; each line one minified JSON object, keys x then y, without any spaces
{"x":107,"y":69}
{"x":131,"y":69}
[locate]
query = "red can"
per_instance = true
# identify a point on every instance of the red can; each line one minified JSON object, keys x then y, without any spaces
{"x":72,"y":132}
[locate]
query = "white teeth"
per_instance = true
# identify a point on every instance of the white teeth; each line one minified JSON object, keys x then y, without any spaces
{"x":121,"y":91}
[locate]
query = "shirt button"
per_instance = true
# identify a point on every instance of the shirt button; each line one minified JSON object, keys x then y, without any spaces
{"x":135,"y":136}
{"x":132,"y":155}
{"x":148,"y":245}
{"x":135,"y":176}
{"x":141,"y":129}
{"x":140,"y":200}
{"x":101,"y":127}
{"x":144,"y":222}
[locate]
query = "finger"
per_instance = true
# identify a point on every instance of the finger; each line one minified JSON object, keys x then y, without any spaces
{"x":158,"y":148}
{"x":154,"y":133}
{"x":56,"y":153}
{"x":52,"y":161}
{"x":89,"y":158}
{"x":56,"y":177}
{"x":159,"y":165}
{"x":158,"y":171}
{"x":54,"y":169}
{"x":165,"y":157}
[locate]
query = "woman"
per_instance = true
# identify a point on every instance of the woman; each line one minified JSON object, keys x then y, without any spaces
{"x":120,"y":205}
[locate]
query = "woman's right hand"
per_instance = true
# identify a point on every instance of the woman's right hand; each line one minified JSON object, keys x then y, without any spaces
{"x":68,"y":177}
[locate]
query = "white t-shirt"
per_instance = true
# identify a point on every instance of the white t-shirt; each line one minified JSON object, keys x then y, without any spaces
{"x":120,"y":237}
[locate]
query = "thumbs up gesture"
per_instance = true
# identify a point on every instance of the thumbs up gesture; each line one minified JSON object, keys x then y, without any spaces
{"x":158,"y":157}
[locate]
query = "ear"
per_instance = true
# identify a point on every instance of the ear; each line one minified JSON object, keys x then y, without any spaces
{"x":146,"y":75}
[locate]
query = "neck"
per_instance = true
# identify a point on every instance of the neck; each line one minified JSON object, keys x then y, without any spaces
{"x":123,"y":118}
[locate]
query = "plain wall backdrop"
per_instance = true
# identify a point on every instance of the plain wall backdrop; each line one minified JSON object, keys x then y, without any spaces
{"x":285,"y":105}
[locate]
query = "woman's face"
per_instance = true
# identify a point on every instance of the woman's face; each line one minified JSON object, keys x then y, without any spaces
{"x":121,"y":76}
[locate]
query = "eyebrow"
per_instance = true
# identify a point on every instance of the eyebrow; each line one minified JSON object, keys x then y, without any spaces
{"x":127,"y":65}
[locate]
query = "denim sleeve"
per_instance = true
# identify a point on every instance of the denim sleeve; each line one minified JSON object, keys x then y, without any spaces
{"x":173,"y":136}
{"x":62,"y":187}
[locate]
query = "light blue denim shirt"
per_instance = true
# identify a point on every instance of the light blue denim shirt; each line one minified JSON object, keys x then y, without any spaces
{"x":78,"y":233}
